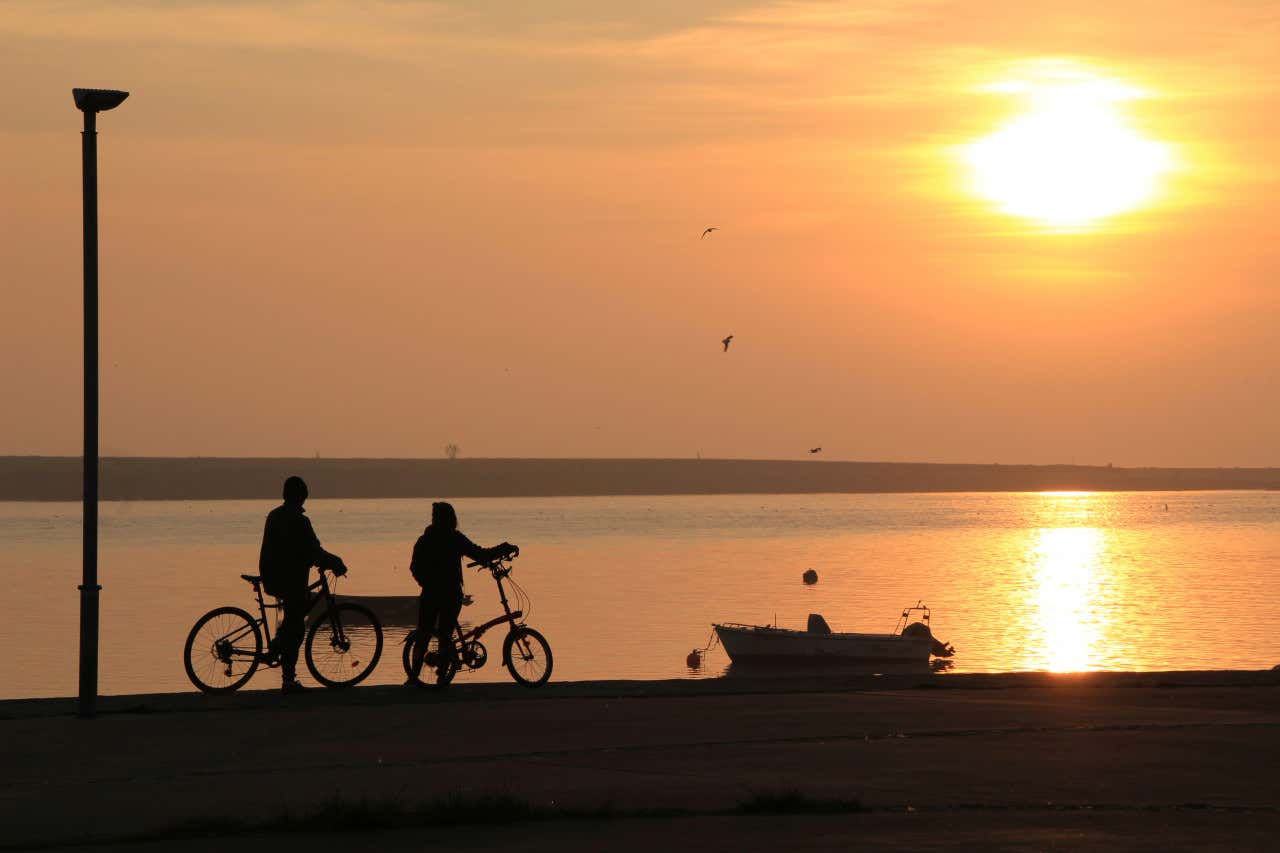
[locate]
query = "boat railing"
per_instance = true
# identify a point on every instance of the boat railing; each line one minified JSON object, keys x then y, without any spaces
{"x":905,"y":618}
{"x":772,"y":629}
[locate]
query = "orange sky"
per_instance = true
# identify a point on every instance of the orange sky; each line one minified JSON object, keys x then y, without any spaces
{"x":372,"y":229}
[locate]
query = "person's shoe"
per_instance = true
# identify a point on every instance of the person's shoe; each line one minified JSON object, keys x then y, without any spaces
{"x":293,"y":685}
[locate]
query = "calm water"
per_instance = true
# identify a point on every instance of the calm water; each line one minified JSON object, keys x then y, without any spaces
{"x":625,"y":587}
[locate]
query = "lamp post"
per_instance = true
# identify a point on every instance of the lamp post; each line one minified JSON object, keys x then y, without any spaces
{"x":91,"y":102}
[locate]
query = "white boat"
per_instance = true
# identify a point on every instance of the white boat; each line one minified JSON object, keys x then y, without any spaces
{"x":910,"y":643}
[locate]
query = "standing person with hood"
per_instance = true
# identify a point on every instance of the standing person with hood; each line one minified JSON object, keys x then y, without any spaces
{"x":289,"y":549}
{"x":437,"y":567}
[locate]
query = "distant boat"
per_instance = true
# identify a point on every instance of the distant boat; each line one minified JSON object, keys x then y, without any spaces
{"x":910,"y":643}
{"x":396,"y":611}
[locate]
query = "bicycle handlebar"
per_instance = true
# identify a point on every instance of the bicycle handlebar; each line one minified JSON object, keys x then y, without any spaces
{"x":496,"y":563}
{"x":319,"y":581}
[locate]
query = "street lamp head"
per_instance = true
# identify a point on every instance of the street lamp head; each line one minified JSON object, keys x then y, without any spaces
{"x":98,"y":100}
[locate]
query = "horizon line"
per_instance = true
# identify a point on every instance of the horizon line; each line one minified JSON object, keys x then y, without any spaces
{"x":755,"y":460}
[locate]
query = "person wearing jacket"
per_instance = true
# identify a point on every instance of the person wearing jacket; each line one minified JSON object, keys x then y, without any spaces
{"x":290,"y":548}
{"x":437,"y":567}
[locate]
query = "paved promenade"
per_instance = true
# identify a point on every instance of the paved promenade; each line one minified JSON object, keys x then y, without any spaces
{"x":1103,"y":761}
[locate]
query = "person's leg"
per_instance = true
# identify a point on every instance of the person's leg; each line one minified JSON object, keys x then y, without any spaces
{"x":428,"y":614}
{"x":292,"y":628}
{"x":450,"y":607}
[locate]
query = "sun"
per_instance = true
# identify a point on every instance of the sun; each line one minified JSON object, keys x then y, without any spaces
{"x":1072,"y":158}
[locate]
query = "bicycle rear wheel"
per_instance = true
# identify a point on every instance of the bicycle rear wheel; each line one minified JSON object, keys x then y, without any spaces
{"x":222,"y":650}
{"x":344,"y":645}
{"x":434,"y":671}
{"x":527,"y":655}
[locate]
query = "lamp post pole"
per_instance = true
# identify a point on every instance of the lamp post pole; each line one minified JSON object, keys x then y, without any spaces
{"x":89,"y":586}
{"x":90,"y":102}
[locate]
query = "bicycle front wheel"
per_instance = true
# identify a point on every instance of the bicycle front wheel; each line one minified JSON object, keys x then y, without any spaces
{"x":222,"y":650}
{"x":344,"y":645}
{"x":527,"y":655}
{"x":435,"y":670}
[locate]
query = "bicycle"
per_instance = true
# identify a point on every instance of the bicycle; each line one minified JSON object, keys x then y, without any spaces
{"x":525,"y":653}
{"x":224,"y":648}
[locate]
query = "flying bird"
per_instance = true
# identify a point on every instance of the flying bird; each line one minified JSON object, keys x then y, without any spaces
{"x":815,"y":449}
{"x":708,"y":231}
{"x":726,"y":343}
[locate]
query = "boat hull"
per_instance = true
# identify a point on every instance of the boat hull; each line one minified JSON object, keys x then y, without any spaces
{"x":751,"y":644}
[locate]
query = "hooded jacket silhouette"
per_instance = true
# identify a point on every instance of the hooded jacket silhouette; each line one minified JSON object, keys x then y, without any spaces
{"x":437,"y":567}
{"x":290,"y":548}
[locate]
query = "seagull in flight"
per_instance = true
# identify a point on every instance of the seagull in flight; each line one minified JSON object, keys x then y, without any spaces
{"x":708,"y":231}
{"x":815,"y":449}
{"x":726,"y":343}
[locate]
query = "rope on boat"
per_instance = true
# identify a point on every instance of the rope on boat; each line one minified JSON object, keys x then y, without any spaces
{"x":694,"y":660}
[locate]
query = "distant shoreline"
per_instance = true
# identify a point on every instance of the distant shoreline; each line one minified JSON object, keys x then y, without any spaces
{"x":58,"y":478}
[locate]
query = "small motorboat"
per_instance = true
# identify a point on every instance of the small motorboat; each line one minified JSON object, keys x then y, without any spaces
{"x":394,"y":611}
{"x":910,"y":643}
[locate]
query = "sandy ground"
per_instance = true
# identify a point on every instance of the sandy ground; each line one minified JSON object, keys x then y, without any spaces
{"x":1157,"y":761}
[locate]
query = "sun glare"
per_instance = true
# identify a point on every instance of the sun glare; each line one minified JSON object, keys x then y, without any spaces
{"x":1067,"y":563}
{"x":1072,"y":158}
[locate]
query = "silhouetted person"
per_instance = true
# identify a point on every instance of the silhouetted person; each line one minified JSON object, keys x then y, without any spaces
{"x":437,"y":567}
{"x":289,"y":550}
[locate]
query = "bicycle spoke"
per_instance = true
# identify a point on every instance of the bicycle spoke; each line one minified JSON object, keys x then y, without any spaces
{"x":344,"y":645}
{"x":431,"y":673}
{"x":222,"y":650}
{"x":528,"y":657}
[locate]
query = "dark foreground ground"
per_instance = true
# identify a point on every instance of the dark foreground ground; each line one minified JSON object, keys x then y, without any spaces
{"x":1158,"y":761}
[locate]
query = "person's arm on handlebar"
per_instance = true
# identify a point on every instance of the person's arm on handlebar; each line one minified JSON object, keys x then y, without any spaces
{"x":485,"y":556}
{"x":319,"y":556}
{"x":332,"y":562}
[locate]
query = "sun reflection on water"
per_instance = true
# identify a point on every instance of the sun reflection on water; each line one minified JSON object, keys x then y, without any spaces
{"x":1067,"y":565}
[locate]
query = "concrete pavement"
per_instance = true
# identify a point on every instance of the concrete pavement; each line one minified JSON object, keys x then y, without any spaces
{"x":1038,"y":760}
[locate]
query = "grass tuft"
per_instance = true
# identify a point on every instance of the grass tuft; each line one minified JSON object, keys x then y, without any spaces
{"x":338,"y":814}
{"x":341,"y":815}
{"x":794,"y":802}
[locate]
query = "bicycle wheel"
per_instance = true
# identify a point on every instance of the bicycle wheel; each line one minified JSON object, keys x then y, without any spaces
{"x":527,"y":654}
{"x":222,"y":650}
{"x":431,"y":674}
{"x":343,"y":645}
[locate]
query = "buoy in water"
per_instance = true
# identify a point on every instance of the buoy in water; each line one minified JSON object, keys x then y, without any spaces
{"x":694,"y":660}
{"x":810,"y":576}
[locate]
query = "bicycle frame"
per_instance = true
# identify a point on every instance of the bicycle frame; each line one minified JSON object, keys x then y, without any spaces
{"x":510,"y":616}
{"x":321,"y":590}
{"x":461,"y":638}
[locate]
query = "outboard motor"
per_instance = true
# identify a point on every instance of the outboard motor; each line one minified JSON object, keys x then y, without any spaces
{"x":817,"y":625}
{"x":920,"y":629}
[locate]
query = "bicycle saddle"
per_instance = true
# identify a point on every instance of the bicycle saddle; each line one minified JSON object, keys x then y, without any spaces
{"x":253,"y":579}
